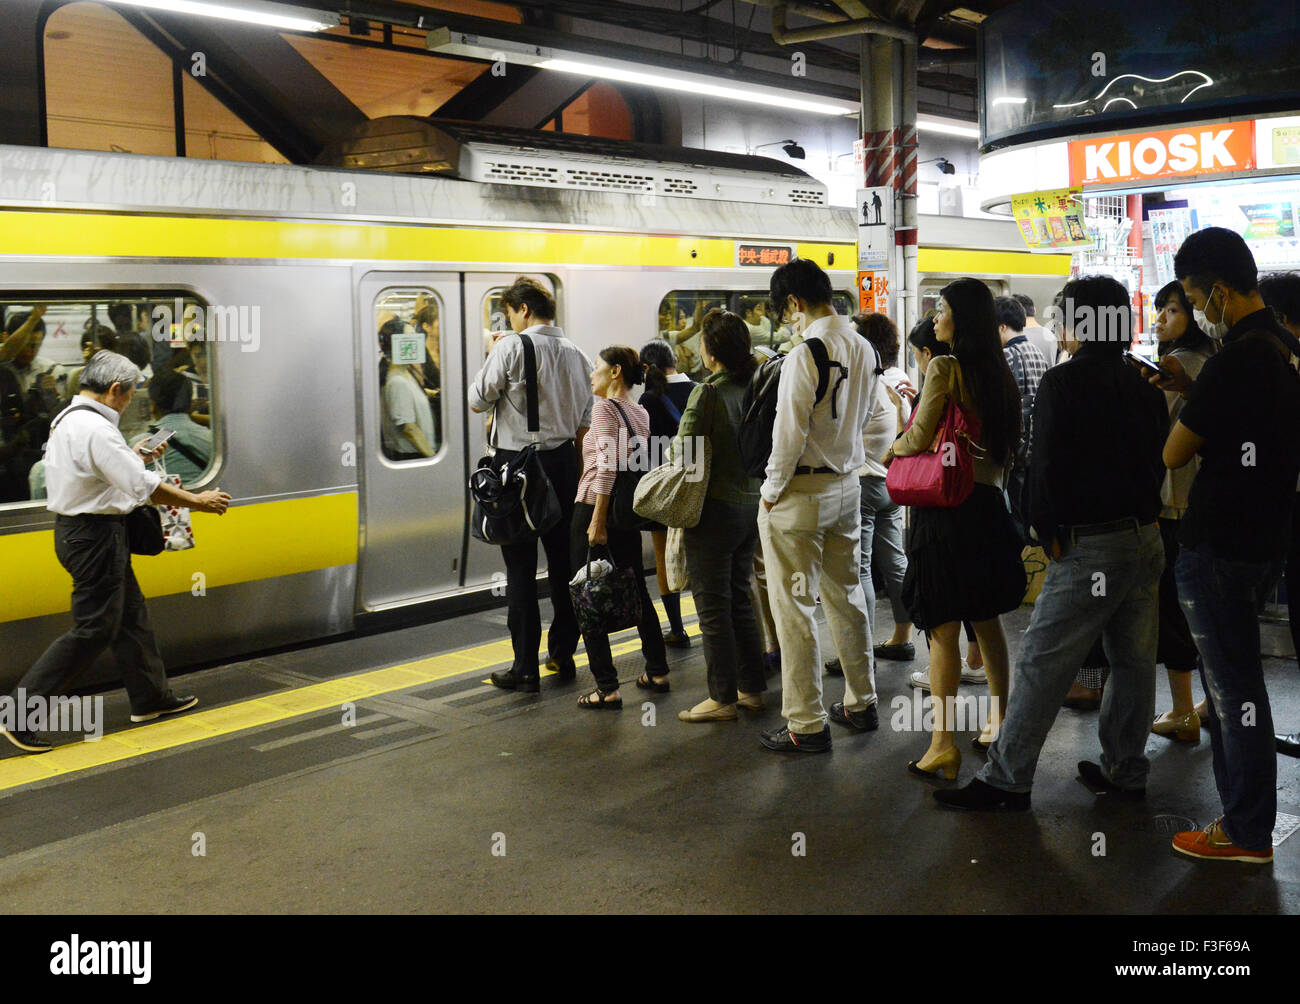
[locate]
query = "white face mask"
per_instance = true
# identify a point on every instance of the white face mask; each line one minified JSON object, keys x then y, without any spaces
{"x":1215,"y":330}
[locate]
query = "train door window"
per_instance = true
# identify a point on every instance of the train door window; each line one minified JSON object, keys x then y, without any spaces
{"x":409,"y":335}
{"x":495,"y":322}
{"x":680,"y":315}
{"x":844,"y":304}
{"x":45,"y":346}
{"x":753,"y":307}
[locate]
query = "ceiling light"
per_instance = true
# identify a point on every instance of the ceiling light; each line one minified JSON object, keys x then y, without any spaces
{"x":457,"y":43}
{"x":260,"y":12}
{"x":970,"y":132}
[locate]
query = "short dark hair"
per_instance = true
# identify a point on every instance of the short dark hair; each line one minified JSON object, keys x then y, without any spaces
{"x":1281,"y":292}
{"x":1009,"y":312}
{"x":801,"y":278}
{"x":882,"y":333}
{"x":923,"y":337}
{"x":121,"y":317}
{"x":1194,"y":337}
{"x":1025,"y":302}
{"x":628,"y":362}
{"x":393,"y":326}
{"x":725,"y":336}
{"x":530,"y":293}
{"x":1214,"y":255}
{"x":16,"y":321}
{"x":1104,"y":303}
{"x":170,"y":392}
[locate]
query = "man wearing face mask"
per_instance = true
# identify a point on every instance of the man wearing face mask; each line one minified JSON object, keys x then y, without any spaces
{"x":810,"y":519}
{"x":1240,"y":417}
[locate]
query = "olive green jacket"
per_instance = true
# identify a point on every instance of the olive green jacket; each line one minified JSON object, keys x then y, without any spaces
{"x":728,"y":481}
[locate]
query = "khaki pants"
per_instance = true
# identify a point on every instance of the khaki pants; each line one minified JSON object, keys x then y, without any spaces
{"x":758,"y":600}
{"x":811,"y":544}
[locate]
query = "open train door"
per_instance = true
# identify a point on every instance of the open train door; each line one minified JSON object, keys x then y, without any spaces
{"x":411,"y":457}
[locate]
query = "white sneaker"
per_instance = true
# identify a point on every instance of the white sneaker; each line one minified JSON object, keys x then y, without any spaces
{"x":921,"y":678}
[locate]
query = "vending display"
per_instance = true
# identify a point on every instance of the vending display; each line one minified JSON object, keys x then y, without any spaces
{"x":1264,"y":214}
{"x":1169,"y":228}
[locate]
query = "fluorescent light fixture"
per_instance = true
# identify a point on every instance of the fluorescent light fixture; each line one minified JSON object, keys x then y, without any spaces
{"x":969,"y":132}
{"x":259,"y":12}
{"x":1008,"y":101}
{"x":478,"y":47}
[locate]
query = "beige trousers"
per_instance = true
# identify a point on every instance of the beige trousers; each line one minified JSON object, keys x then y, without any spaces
{"x":811,"y":544}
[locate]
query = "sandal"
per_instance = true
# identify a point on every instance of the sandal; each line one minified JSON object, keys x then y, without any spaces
{"x":646,"y":682}
{"x":597,"y":702}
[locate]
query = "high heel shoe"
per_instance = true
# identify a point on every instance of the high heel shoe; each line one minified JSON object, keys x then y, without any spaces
{"x":1185,"y":728}
{"x":943,"y":768}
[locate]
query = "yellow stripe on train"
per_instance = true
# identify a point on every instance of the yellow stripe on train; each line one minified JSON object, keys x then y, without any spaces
{"x":250,"y":542}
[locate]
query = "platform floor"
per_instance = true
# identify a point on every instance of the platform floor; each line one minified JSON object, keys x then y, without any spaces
{"x":403,"y":811}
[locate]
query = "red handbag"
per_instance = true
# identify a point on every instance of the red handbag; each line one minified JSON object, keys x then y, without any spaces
{"x":942,"y":477}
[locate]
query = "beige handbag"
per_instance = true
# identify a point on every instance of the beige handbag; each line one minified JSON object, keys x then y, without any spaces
{"x":675,"y":559}
{"x":673,"y":493}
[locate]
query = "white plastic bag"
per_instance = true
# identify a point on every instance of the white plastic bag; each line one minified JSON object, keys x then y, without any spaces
{"x":599,"y":569}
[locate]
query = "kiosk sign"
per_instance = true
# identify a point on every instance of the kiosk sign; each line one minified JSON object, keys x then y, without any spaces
{"x":1208,"y":149}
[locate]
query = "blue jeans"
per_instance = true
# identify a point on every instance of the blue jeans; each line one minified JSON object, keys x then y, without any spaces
{"x":882,"y":546}
{"x":1221,"y":600}
{"x":1105,"y":584}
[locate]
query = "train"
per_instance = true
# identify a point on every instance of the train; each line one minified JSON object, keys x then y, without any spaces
{"x":273,"y":280}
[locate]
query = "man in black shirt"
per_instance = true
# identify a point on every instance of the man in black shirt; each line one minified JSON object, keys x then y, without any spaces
{"x":1094,"y":496}
{"x":1241,"y":417}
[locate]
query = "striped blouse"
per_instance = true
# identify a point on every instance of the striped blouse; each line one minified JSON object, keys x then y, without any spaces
{"x":605,"y":447}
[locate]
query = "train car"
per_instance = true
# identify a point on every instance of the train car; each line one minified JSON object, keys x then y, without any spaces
{"x":265,"y":288}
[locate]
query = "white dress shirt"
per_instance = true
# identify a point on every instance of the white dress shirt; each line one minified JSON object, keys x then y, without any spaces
{"x":89,"y":469}
{"x":564,"y":397}
{"x":807,"y":436}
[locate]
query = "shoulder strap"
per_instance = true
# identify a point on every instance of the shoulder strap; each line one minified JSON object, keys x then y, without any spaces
{"x":530,"y":382}
{"x":186,"y":452}
{"x":824,"y":364}
{"x":69,"y":410}
{"x":670,"y":407}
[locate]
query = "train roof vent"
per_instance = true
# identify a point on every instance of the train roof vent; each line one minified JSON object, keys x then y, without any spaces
{"x":477,"y":152}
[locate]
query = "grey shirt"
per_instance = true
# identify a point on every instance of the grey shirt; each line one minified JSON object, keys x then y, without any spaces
{"x":564,"y":397}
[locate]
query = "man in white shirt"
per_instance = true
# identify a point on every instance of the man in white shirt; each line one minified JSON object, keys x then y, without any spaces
{"x":564,"y":404}
{"x":94,"y":480}
{"x":810,"y":521}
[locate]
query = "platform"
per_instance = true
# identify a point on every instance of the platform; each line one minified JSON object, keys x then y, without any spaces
{"x":408,"y":809}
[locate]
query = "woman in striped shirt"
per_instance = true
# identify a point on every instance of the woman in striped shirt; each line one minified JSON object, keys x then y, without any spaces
{"x":615,"y":421}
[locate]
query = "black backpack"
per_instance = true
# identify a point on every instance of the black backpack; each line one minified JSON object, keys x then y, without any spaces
{"x":758,"y":416}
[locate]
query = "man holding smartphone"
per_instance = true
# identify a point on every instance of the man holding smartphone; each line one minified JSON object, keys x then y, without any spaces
{"x":1241,"y":418}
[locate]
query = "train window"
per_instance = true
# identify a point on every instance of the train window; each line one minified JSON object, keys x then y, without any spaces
{"x":408,"y":322}
{"x":44,"y":346}
{"x":494,"y":318}
{"x":680,"y":314}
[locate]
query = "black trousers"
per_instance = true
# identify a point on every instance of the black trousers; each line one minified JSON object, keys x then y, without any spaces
{"x":108,"y":610}
{"x":624,"y":550}
{"x":720,"y":559}
{"x":525,"y":620}
{"x":1293,"y":576}
{"x":1174,"y":647}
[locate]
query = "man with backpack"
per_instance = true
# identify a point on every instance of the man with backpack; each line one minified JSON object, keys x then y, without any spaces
{"x":810,"y":520}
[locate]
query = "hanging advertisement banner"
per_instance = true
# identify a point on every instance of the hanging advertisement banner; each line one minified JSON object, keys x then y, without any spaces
{"x":873,"y":292}
{"x":1051,"y":219}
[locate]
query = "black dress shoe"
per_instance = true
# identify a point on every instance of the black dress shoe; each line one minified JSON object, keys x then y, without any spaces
{"x":508,"y":679}
{"x":28,"y":742}
{"x":980,"y":797}
{"x":169,"y":705}
{"x":1289,"y":745}
{"x":782,"y":740}
{"x":905,"y":652}
{"x":1099,"y":784}
{"x":866,"y":720}
{"x":564,"y":669}
{"x":833,"y":668}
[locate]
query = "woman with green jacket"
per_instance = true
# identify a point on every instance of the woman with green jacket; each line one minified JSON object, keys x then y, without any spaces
{"x":720,"y":549}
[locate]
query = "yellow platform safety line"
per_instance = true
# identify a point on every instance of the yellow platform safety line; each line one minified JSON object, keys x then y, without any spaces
{"x":215,"y":723}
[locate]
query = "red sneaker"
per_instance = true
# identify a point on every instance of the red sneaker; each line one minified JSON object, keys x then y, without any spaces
{"x":1212,"y":844}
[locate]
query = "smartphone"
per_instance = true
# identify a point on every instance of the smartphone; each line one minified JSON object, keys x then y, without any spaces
{"x":157,"y":439}
{"x":1144,"y":362}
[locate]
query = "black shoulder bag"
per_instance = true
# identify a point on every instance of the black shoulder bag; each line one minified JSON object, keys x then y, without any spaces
{"x":621,"y":514}
{"x":144,"y":533}
{"x":514,"y":500}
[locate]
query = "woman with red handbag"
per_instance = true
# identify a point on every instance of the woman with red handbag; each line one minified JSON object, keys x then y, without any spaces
{"x":963,"y":551}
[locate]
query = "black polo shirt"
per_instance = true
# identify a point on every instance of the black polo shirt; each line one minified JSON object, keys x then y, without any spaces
{"x":1246,"y":406}
{"x":1098,"y":431}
